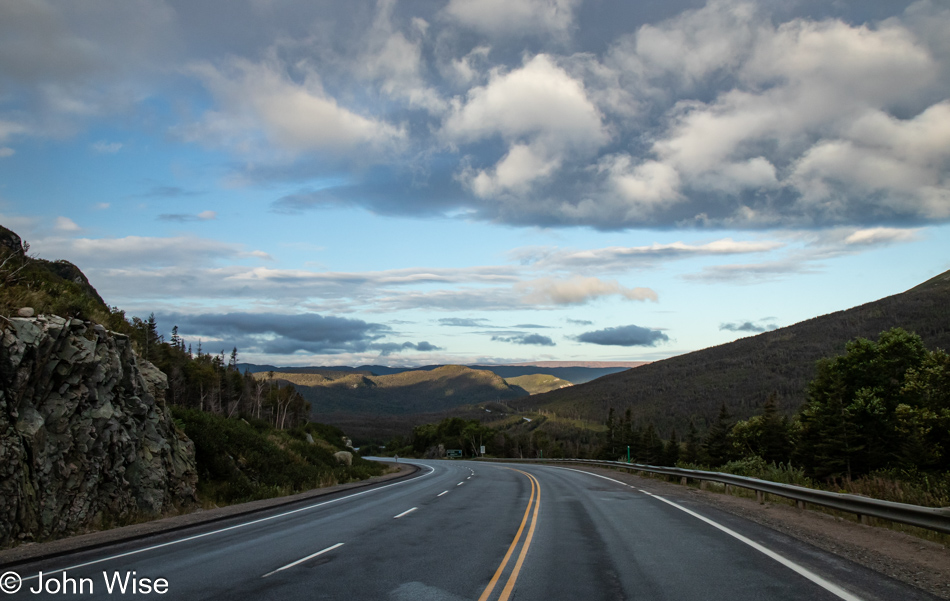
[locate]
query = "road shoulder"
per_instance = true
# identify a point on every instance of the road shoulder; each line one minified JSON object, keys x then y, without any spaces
{"x":92,"y":540}
{"x":914,"y":561}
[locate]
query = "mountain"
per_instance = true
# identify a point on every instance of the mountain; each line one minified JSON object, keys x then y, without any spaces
{"x":538,"y":383}
{"x":575,"y":372}
{"x":408,"y":392}
{"x":743,"y":373}
{"x":377,"y":407}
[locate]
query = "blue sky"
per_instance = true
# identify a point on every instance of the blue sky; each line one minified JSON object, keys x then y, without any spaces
{"x":417,"y":182}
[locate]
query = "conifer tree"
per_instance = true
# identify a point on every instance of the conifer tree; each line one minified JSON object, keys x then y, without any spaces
{"x":671,"y":452}
{"x":693,"y":448}
{"x":718,"y":443}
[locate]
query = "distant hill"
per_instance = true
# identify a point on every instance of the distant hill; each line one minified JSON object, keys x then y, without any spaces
{"x":538,"y":383}
{"x":409,"y":392}
{"x":575,"y":372}
{"x":743,"y":373}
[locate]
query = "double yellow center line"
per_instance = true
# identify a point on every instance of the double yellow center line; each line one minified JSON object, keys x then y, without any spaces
{"x":534,"y":501}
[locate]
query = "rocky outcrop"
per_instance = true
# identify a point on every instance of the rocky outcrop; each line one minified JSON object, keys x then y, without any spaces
{"x":86,"y":439}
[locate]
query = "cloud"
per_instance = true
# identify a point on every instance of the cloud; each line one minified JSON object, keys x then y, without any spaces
{"x":819,"y":91}
{"x":305,"y":200}
{"x":528,"y":339}
{"x":62,"y":65}
{"x":118,"y":254}
{"x":538,"y":99}
{"x":6,"y":151}
{"x":103,"y":147}
{"x":624,"y":257}
{"x":65,"y":224}
{"x":541,"y":111}
{"x":463,"y":322}
{"x":532,"y":326}
{"x":578,"y":290}
{"x":182,"y":218}
{"x":388,"y":348}
{"x":275,"y":333}
{"x":259,"y":103}
{"x":553,"y":113}
{"x":748,"y":326}
{"x":513,"y":17}
{"x":747,"y":273}
{"x":880,"y":236}
{"x":101,"y":206}
{"x":169,"y":192}
{"x":630,"y":335}
{"x":579,"y":322}
{"x":395,"y":61}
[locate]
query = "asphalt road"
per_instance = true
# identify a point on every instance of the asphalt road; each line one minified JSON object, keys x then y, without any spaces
{"x":467,"y":530}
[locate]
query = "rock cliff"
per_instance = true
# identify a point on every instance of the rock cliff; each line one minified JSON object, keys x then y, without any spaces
{"x":86,"y":439}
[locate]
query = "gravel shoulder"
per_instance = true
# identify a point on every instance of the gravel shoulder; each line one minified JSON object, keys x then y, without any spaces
{"x":912,"y":560}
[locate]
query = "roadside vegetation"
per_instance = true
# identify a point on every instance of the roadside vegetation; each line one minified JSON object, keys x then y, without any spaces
{"x":244,"y":460}
{"x":253,"y":438}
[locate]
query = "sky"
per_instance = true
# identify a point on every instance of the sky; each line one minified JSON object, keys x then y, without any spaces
{"x":455,"y":181}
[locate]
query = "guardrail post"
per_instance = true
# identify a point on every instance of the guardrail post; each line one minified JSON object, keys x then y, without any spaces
{"x":760,"y":497}
{"x":683,"y":480}
{"x":800,"y":504}
{"x":864,"y":519}
{"x":702,"y":485}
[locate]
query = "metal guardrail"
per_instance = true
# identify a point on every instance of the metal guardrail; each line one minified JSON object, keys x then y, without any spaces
{"x":932,"y":518}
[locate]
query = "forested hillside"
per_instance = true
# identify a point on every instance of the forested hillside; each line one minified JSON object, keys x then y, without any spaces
{"x":574,"y":374}
{"x":408,"y":392}
{"x":742,"y":374}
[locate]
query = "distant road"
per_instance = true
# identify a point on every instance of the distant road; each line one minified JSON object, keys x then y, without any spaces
{"x":468,"y":530}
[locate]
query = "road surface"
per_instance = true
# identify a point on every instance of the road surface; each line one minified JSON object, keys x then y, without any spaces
{"x":468,"y":530}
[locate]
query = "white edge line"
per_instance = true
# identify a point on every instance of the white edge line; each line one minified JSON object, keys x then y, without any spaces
{"x":788,"y":563}
{"x":407,"y":512}
{"x":442,"y":493}
{"x":234,"y":527}
{"x":300,"y":561}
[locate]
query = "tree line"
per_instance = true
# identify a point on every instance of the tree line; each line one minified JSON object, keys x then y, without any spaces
{"x":212,"y":382}
{"x":882,"y":405}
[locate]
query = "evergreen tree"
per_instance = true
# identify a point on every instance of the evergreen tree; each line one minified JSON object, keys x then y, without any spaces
{"x":865,"y":410}
{"x":671,"y":452}
{"x":776,"y":443}
{"x":652,"y":446}
{"x":693,"y":449}
{"x":718,"y":443}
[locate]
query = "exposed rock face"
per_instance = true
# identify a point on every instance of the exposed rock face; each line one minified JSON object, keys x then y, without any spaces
{"x":85,"y":436}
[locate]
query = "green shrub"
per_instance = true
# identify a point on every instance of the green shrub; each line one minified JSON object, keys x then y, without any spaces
{"x":241,"y":461}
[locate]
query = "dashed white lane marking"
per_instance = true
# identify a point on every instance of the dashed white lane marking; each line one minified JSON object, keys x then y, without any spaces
{"x":236,"y":526}
{"x":460,"y":484}
{"x":407,"y":512}
{"x":832,"y":588}
{"x":442,"y":493}
{"x":300,"y":561}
